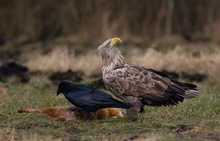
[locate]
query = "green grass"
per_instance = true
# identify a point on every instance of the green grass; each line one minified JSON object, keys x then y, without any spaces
{"x":195,"y":119}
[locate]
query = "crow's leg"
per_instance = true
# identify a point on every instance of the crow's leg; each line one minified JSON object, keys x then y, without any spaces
{"x":87,"y":116}
{"x":75,"y":109}
{"x":142,"y":109}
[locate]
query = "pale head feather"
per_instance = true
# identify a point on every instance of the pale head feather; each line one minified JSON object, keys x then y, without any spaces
{"x":111,"y":55}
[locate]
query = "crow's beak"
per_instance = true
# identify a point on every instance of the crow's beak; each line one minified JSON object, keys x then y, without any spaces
{"x":58,"y":92}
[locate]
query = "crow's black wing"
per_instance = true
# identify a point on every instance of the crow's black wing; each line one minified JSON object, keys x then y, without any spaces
{"x":91,"y":99}
{"x":82,"y":95}
{"x":82,"y":90}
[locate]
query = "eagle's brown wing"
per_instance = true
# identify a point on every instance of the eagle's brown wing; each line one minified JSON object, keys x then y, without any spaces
{"x":150,"y":86}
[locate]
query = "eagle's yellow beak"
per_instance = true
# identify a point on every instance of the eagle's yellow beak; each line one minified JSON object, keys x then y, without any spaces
{"x":115,"y":41}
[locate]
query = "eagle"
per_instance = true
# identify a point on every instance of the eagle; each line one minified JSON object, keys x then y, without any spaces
{"x":140,"y":85}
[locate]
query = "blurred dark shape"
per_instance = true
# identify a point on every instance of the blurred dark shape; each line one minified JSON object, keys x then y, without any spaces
{"x":196,"y":77}
{"x":10,"y":54}
{"x":170,"y":74}
{"x":187,"y":37}
{"x":13,"y":72}
{"x":200,"y":38}
{"x":98,"y":83}
{"x":68,"y":75}
{"x":20,"y":42}
{"x":181,"y":127}
{"x":2,"y":41}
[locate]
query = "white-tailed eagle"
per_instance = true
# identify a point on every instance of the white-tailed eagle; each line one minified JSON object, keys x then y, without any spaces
{"x":138,"y":84}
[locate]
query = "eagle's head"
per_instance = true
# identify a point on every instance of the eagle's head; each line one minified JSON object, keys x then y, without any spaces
{"x":109,"y":44}
{"x":111,"y":55}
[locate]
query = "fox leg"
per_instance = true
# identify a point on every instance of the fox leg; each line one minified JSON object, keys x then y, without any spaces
{"x":28,"y":110}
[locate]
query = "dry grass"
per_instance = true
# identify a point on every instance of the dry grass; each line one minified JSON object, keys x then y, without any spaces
{"x":178,"y":60}
{"x":175,"y":60}
{"x":199,"y":129}
{"x":61,"y":60}
{"x":10,"y":134}
{"x":146,"y":137}
{"x":36,"y":137}
{"x":3,"y":91}
{"x":7,"y":134}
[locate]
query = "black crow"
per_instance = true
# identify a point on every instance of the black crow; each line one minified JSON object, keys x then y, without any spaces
{"x":88,"y":98}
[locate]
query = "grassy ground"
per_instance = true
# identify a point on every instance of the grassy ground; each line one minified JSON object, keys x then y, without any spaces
{"x":195,"y":119}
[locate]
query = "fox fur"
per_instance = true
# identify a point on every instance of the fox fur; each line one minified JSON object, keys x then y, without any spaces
{"x":69,"y":113}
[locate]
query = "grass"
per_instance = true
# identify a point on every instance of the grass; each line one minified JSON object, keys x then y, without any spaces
{"x":195,"y":119}
{"x":200,"y":117}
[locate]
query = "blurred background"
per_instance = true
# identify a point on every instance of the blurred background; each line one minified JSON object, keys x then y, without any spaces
{"x":64,"y":35}
{"x":89,"y":20}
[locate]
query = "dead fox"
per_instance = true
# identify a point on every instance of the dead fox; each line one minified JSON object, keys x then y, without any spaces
{"x":70,"y":112}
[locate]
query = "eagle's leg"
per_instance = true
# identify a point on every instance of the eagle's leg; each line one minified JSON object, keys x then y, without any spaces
{"x":137,"y":108}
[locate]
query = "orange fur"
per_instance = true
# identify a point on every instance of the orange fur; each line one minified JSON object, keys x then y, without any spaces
{"x":65,"y":113}
{"x":107,"y":112}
